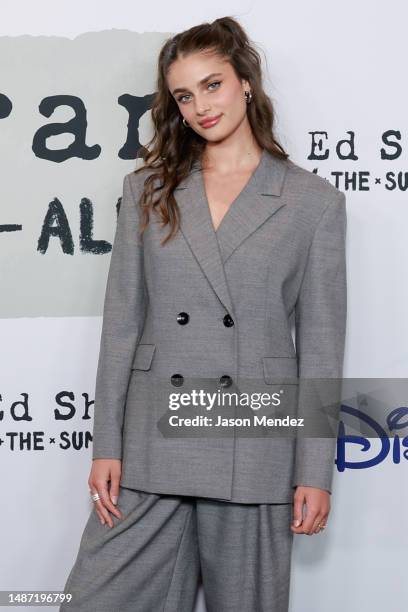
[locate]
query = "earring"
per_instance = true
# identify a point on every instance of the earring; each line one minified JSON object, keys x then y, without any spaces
{"x":248,"y":96}
{"x":185,"y":122}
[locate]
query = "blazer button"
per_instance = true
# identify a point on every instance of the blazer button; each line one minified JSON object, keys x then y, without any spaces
{"x":228,"y":320}
{"x":177,"y":380}
{"x":225,"y":381}
{"x":183,"y":318}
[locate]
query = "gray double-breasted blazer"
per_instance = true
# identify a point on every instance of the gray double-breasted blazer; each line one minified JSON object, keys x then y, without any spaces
{"x":219,"y":305}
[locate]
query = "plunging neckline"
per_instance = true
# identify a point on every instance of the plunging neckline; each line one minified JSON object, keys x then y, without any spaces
{"x":241,"y":193}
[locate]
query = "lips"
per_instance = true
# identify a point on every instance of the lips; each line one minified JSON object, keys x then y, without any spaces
{"x":210,"y":121}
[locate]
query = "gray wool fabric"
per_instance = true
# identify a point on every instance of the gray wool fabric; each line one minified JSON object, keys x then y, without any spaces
{"x":278,"y":255}
{"x":155,"y":557}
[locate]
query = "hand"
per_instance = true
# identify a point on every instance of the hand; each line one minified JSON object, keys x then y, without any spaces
{"x":317,"y":509}
{"x":103,"y":471}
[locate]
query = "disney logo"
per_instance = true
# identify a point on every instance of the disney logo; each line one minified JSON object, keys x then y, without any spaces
{"x":396,"y":420}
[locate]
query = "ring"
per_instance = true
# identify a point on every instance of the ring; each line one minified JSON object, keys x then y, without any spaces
{"x":321,"y":526}
{"x":95,"y":497}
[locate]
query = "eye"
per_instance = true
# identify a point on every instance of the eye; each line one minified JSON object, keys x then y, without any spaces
{"x":180,"y":98}
{"x":217,"y":83}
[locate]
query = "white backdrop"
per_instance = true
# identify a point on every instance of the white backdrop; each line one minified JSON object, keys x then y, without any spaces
{"x":333,"y":68}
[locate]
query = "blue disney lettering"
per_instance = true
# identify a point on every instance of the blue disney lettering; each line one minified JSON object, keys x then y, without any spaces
{"x":394,"y":422}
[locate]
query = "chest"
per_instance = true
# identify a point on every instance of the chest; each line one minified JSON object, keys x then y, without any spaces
{"x":251,"y":256}
{"x":221,"y":192}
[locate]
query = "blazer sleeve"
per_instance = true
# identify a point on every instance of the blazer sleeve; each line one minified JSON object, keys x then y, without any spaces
{"x":320,"y":325}
{"x":123,"y":320}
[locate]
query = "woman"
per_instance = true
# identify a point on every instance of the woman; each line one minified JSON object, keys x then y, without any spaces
{"x":233,"y":238}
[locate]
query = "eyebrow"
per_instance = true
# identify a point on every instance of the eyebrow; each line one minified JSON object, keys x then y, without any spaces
{"x":204,"y":80}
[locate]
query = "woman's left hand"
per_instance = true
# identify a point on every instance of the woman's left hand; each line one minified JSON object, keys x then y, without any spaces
{"x":317,"y":509}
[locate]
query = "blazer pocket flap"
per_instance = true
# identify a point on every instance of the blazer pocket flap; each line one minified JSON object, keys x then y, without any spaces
{"x":280,"y":370}
{"x":143,"y":356}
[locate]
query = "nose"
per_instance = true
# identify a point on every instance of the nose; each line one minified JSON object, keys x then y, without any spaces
{"x":201,"y":105}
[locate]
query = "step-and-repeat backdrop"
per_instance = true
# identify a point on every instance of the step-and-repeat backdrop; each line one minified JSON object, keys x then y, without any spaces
{"x":75,"y":93}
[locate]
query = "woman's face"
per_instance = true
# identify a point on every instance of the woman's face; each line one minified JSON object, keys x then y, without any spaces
{"x":205,"y":86}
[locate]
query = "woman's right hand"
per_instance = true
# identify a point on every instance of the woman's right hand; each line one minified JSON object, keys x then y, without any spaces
{"x":103,"y":471}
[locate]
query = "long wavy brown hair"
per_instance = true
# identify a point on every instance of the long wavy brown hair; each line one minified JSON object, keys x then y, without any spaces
{"x":173,"y":149}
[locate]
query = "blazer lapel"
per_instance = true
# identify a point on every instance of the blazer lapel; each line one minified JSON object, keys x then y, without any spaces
{"x":258,"y":200}
{"x":198,"y":230}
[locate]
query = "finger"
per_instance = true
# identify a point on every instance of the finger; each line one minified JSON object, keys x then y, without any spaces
{"x":310,"y":519}
{"x":298,"y":530}
{"x":298,"y":501}
{"x":98,"y":507}
{"x":317,"y":522}
{"x":99,"y":515}
{"x":104,"y":513}
{"x":105,"y":499}
{"x":114,"y":487}
{"x":99,"y":504}
{"x":322,"y":521}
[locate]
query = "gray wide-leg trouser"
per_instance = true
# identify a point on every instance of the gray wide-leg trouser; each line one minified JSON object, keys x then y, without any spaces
{"x":152,"y":560}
